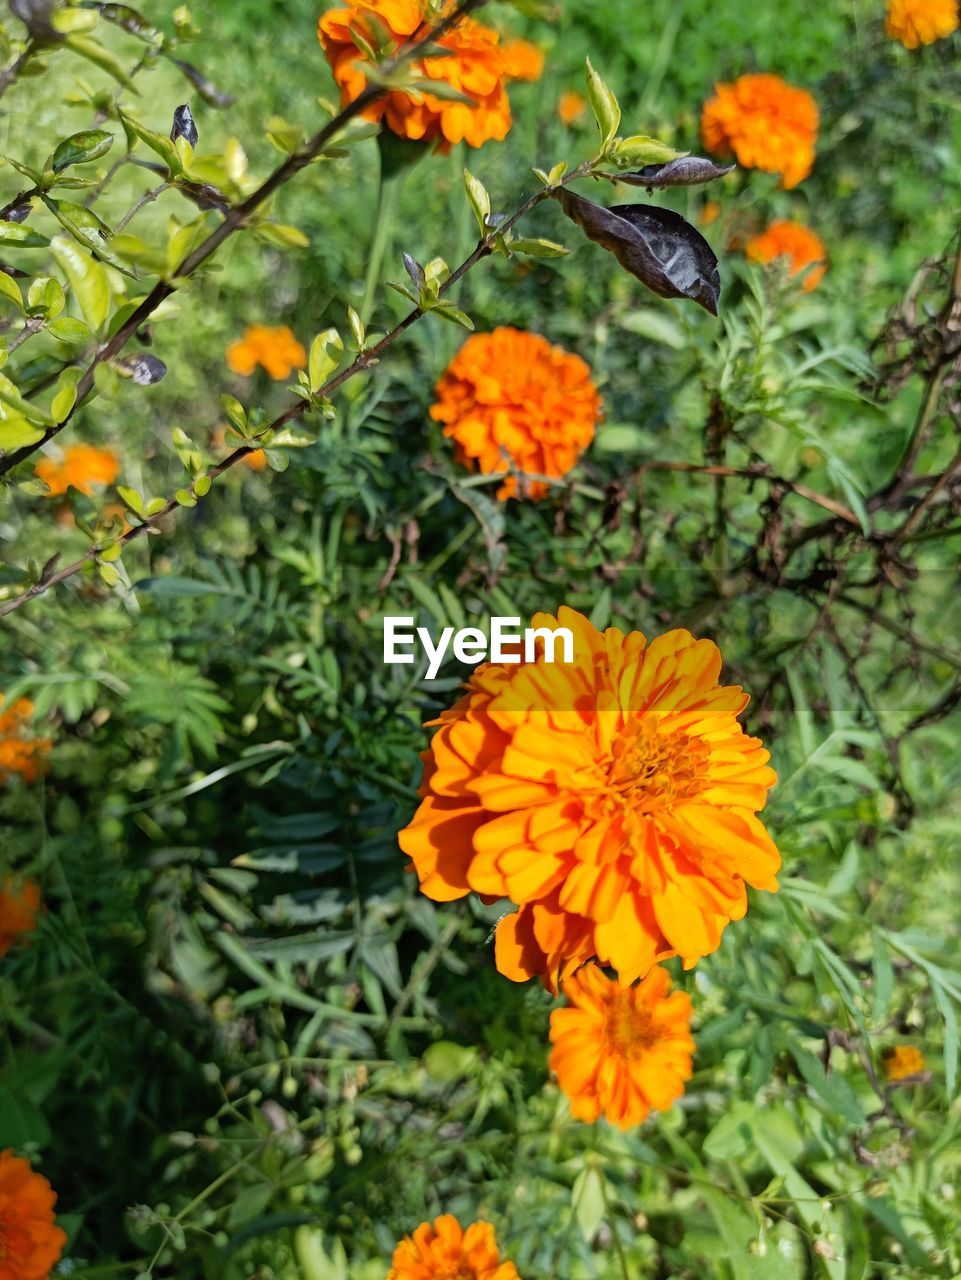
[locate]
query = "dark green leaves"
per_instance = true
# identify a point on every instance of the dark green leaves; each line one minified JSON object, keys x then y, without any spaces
{"x":656,"y":245}
{"x":80,"y":148}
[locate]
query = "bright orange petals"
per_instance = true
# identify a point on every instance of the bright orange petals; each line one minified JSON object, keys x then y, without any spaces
{"x":82,"y":466}
{"x":614,"y":800}
{"x":276,"y":349}
{"x":30,"y":1241}
{"x":917,"y":22}
{"x":510,"y":400}
{"x":20,"y":751}
{"x":19,"y":908}
{"x":766,"y":123}
{"x":476,"y":64}
{"x":799,"y":244}
{"x":902,"y":1061}
{"x":443,"y":1250}
{"x":571,"y":106}
{"x":621,"y":1052}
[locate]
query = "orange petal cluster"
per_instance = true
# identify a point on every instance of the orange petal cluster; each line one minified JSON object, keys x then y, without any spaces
{"x":30,"y":1241}
{"x":571,"y":106}
{"x":902,"y":1061}
{"x":613,"y":799}
{"x":20,"y":751}
{"x":621,"y":1052}
{"x":765,"y":123}
{"x":19,"y":908}
{"x":82,"y":466}
{"x":443,"y":1250}
{"x":799,"y":244}
{"x":475,"y":64}
{"x":512,"y":401}
{"x":917,"y":22}
{"x":275,"y":348}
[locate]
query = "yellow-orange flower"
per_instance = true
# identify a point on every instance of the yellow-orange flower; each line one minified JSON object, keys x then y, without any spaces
{"x":766,"y":123}
{"x":82,"y":466}
{"x":902,"y":1061}
{"x":475,"y":64}
{"x":621,"y":1052}
{"x":443,"y":1250}
{"x":30,"y":1241}
{"x":20,"y":751}
{"x":917,"y":22}
{"x":510,"y":400}
{"x":710,"y":212}
{"x":19,"y":908}
{"x":614,"y":799}
{"x":275,"y":348}
{"x":571,"y":106}
{"x":799,"y":244}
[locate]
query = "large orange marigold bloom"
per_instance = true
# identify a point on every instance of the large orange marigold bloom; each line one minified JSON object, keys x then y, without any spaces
{"x":511,"y":401}
{"x":621,"y":1052}
{"x":799,"y":244}
{"x":275,"y":348}
{"x":82,"y":466}
{"x":766,"y":123}
{"x":19,"y":908}
{"x":613,"y":799}
{"x":476,"y":64}
{"x":917,"y":22}
{"x":903,"y":1061}
{"x":443,"y":1250}
{"x":30,"y":1241}
{"x":20,"y":751}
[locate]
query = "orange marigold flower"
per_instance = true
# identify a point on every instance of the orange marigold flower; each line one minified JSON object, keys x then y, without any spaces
{"x":902,"y":1061}
{"x":476,"y":64}
{"x":767,"y":123}
{"x":621,"y":1052}
{"x":20,"y":752}
{"x":917,"y":22}
{"x":511,"y":400}
{"x":571,"y":106}
{"x":710,"y":212}
{"x":443,"y":1250}
{"x":614,"y":799}
{"x":799,"y":244}
{"x":19,"y":908}
{"x":275,"y":348}
{"x":30,"y":1241}
{"x":82,"y":466}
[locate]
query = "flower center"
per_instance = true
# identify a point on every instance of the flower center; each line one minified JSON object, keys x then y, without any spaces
{"x":655,"y":770}
{"x":629,"y":1032}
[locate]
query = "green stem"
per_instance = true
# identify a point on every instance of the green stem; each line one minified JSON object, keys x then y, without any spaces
{"x":390,"y":184}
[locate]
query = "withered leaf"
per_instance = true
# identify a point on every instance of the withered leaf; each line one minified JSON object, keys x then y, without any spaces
{"x":656,"y":245}
{"x":184,"y":125}
{"x":209,"y":92}
{"x":143,"y":368}
{"x":685,"y":171}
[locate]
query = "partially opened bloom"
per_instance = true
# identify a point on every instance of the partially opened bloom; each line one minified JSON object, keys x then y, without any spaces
{"x":19,"y":908}
{"x":21,"y":752}
{"x":917,"y":22}
{"x":275,"y":348}
{"x":30,"y":1241}
{"x":512,"y":401}
{"x":81,"y":466}
{"x":799,"y":245}
{"x":621,"y":1052}
{"x":476,"y":64}
{"x":443,"y":1250}
{"x":614,"y":799}
{"x":765,"y":123}
{"x":902,"y":1061}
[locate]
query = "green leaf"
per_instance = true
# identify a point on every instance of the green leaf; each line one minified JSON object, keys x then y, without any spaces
{"x":21,"y":1122}
{"x":131,"y":498}
{"x":10,"y":289}
{"x":447,"y":1062}
{"x":68,"y":21}
{"x":69,"y":329}
{"x":46,"y":296}
{"x":740,"y":1235}
{"x":285,"y":237}
{"x":10,"y":395}
{"x":321,"y":362}
{"x":15,"y":235}
{"x":157,"y":143}
{"x":657,"y":325}
{"x":133,"y":249}
{"x":88,"y":280}
{"x":587,"y":1201}
{"x":604,"y":104}
{"x":883,"y":979}
{"x":641,"y":150}
{"x":480,"y":201}
{"x":66,"y":394}
{"x":95,"y":52}
{"x":539,"y":248}
{"x":949,"y":1014}
{"x":86,"y":228}
{"x":80,"y":148}
{"x":16,"y":432}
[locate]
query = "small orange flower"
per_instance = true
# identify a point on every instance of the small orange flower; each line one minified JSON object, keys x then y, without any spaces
{"x":20,"y":752}
{"x":917,"y":22}
{"x":511,"y":400}
{"x":902,"y":1061}
{"x":571,"y":106}
{"x":256,"y":460}
{"x":710,"y":212}
{"x":275,"y":348}
{"x":443,"y":1250}
{"x":30,"y":1241}
{"x":475,"y":64}
{"x":767,"y":123}
{"x":82,"y":466}
{"x":614,"y":799}
{"x":621,"y":1052}
{"x":799,"y":244}
{"x":19,"y":908}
